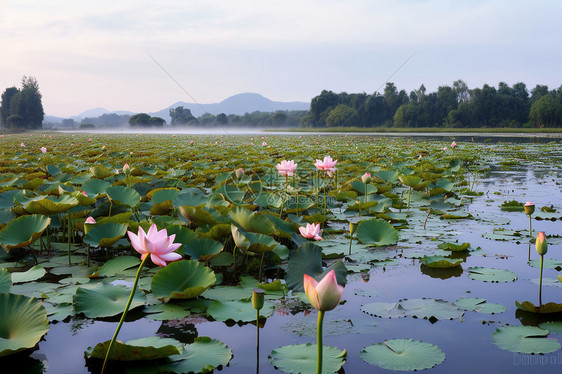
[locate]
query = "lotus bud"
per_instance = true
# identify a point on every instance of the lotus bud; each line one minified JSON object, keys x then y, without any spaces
{"x":352,"y":228}
{"x":90,"y":222}
{"x":529,"y":208}
{"x":126,"y":169}
{"x":258,"y":297}
{"x":239,"y":173}
{"x":540,"y":244}
{"x":366,"y":178}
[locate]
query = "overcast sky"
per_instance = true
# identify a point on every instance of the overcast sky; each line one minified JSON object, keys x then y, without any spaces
{"x":88,"y":54}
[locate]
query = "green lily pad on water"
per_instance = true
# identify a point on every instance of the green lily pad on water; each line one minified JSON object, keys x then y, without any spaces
{"x":403,"y":355}
{"x":301,"y":359}
{"x":421,"y":308}
{"x":123,"y":195}
{"x":479,"y":305}
{"x":32,"y":274}
{"x":23,"y":321}
{"x":553,"y":327}
{"x":95,"y":187}
{"x":105,"y":301}
{"x":548,"y":263}
{"x":202,"y":356}
{"x":524,"y":339}
{"x":377,"y":232}
{"x":491,"y":274}
{"x":150,"y":348}
{"x":23,"y":231}
{"x":455,"y":247}
{"x":185,"y":279}
{"x":118,"y":265}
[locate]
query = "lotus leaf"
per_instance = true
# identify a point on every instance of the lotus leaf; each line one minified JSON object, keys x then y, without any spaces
{"x":440,"y":262}
{"x":185,"y":279}
{"x":122,"y":195}
{"x":118,"y":265}
{"x":491,"y":274}
{"x":301,"y":359}
{"x":106,"y":301}
{"x":307,"y":259}
{"x":95,"y":187}
{"x":150,"y":348}
{"x":32,"y":274}
{"x":377,"y":232}
{"x":100,"y":171}
{"x":420,"y":308}
{"x":5,"y":281}
{"x":403,"y":355}
{"x":542,"y":309}
{"x":238,"y":310}
{"x":23,"y":321}
{"x":202,"y":248}
{"x":23,"y":231}
{"x":479,"y":305}
{"x":105,"y":235}
{"x":48,"y":205}
{"x":524,"y":339}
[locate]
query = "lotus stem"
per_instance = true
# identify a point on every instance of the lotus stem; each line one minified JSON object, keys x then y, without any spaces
{"x":530,"y":228}
{"x":350,"y":241}
{"x":257,"y":341}
{"x":409,"y":192}
{"x":296,"y":193}
{"x":319,"y":345}
{"x":261,"y":266}
{"x":284,"y":196}
{"x":317,"y":189}
{"x":529,"y":256}
{"x":124,"y":314}
{"x":234,"y":260}
{"x":540,"y":284}
{"x":427,"y":217}
{"x":324,"y":185}
{"x":365,"y":200}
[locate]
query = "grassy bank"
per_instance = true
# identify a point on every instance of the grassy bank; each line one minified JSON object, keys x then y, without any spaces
{"x":503,"y":130}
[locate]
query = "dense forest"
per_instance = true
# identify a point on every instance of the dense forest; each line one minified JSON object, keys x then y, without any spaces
{"x":22,"y":108}
{"x":451,"y":106}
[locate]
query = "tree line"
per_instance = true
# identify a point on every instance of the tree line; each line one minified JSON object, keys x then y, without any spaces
{"x":454,"y":106}
{"x":22,"y":108}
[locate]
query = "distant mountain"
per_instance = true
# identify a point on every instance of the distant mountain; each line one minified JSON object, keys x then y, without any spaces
{"x":237,"y":104}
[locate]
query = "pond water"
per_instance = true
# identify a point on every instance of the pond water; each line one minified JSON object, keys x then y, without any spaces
{"x":466,"y":341}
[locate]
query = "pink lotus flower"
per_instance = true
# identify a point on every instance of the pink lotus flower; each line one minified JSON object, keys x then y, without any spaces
{"x":90,"y":139}
{"x":529,"y":203}
{"x":158,"y":244}
{"x":191,"y":142}
{"x":43,"y":149}
{"x":85,"y":195}
{"x":444,"y":148}
{"x":324,"y":295}
{"x":22,"y":145}
{"x":540,"y":244}
{"x":327,"y":165}
{"x":126,"y":169}
{"x":453,"y":144}
{"x":90,"y":219}
{"x":286,"y":168}
{"x":263,"y":144}
{"x":239,"y":173}
{"x":366,"y":178}
{"x":311,"y":231}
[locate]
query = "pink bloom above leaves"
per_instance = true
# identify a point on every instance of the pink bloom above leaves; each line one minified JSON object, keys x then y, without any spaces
{"x":366,"y":178}
{"x":90,"y":220}
{"x":43,"y":149}
{"x":311,"y":231}
{"x":327,"y":165}
{"x":453,"y":144}
{"x":158,"y":244}
{"x":324,"y":295}
{"x":286,"y":168}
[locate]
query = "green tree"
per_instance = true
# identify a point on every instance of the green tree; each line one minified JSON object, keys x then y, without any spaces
{"x":25,"y":103}
{"x":342,"y":115}
{"x":5,"y":105}
{"x":546,"y":112}
{"x":222,"y":119}
{"x":156,"y":122}
{"x":140,"y":120}
{"x":181,"y":116}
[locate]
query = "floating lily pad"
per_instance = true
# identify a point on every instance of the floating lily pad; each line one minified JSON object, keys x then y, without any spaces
{"x":162,"y":312}
{"x":524,"y":339}
{"x":32,"y":274}
{"x":105,"y":235}
{"x":301,"y":359}
{"x":150,"y":348}
{"x":123,"y":195}
{"x":440,"y":262}
{"x":420,"y":308}
{"x":106,"y":301}
{"x":553,"y":327}
{"x":479,"y":305}
{"x":491,"y":274}
{"x":403,"y":355}
{"x":23,"y":321}
{"x":548,"y":263}
{"x":454,"y":247}
{"x":185,"y":279}
{"x":23,"y":231}
{"x":202,"y":356}
{"x":377,"y":232}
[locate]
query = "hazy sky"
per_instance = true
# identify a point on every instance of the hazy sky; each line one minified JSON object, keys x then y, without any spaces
{"x":88,"y":54}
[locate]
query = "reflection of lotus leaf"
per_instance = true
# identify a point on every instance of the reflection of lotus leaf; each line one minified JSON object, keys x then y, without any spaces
{"x":23,"y":231}
{"x":403,"y":355}
{"x":23,"y":321}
